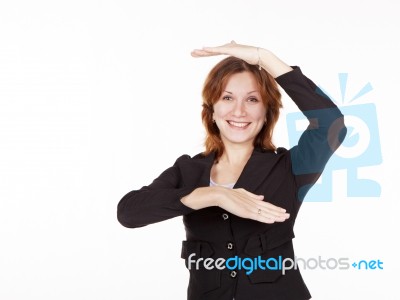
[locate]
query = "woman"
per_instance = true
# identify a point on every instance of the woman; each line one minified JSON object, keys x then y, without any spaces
{"x":240,"y":197}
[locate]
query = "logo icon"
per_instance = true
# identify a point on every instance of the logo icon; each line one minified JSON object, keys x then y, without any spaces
{"x":360,"y":148}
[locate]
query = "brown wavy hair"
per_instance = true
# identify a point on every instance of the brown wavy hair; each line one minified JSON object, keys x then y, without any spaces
{"x":212,"y":90}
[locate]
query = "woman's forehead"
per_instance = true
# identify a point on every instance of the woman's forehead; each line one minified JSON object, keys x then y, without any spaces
{"x":241,"y":82}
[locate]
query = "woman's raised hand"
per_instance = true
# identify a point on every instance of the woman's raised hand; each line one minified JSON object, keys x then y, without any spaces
{"x":250,"y":54}
{"x":247,"y":53}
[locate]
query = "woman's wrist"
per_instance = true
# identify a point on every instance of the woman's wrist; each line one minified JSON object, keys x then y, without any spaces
{"x":272,"y":64}
{"x":203,"y":197}
{"x":217,"y":195}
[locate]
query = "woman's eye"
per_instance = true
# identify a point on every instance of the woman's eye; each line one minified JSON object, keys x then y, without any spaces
{"x":227,"y":98}
{"x":253,"y":100}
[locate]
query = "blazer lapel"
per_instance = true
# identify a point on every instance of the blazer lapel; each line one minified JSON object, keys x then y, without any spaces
{"x":259,"y":165}
{"x":196,"y":171}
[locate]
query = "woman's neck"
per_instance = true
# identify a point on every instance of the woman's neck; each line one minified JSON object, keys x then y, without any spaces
{"x":236,"y":154}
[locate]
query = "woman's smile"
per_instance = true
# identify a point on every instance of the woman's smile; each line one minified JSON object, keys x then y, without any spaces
{"x":238,"y":125}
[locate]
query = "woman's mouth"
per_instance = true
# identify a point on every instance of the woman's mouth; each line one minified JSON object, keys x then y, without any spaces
{"x":239,"y":124}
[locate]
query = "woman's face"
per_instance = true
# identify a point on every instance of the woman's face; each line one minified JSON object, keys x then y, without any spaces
{"x":240,"y":112}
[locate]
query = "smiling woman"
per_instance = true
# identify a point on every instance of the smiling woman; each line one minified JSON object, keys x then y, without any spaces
{"x":241,"y":196}
{"x":249,"y":93}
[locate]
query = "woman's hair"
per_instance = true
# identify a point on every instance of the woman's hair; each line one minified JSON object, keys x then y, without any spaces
{"x":215,"y":84}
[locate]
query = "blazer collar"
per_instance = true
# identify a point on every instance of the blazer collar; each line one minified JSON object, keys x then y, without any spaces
{"x":254,"y":172}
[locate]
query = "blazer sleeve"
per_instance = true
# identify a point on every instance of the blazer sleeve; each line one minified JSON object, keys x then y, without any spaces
{"x":156,"y":202}
{"x":324,"y":134}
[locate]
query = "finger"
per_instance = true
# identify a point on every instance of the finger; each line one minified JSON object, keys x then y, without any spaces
{"x":251,"y":214}
{"x":251,"y":195}
{"x":223,"y":49}
{"x":268,"y":207}
{"x":219,"y":50}
{"x":263,"y":216}
{"x":272,"y":213}
{"x":280,"y":219}
{"x":271,"y":218}
{"x":275,"y":214}
{"x":276,"y":217}
{"x":202,"y":53}
{"x":264,"y":219}
{"x":274,"y":207}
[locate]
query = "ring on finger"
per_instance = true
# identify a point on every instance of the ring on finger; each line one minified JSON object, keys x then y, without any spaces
{"x":259,"y":211}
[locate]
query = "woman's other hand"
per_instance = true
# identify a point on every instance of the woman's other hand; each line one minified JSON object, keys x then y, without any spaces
{"x":239,"y":202}
{"x":245,"y":204}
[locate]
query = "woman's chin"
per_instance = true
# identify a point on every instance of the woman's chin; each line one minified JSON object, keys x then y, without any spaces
{"x":238,"y":140}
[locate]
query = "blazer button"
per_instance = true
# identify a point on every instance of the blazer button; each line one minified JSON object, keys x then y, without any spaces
{"x":233,"y":274}
{"x":229,"y":246}
{"x":225,"y":216}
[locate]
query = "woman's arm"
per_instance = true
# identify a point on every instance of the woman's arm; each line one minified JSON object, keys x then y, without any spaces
{"x":164,"y":199}
{"x":156,"y":202}
{"x":325,"y":133}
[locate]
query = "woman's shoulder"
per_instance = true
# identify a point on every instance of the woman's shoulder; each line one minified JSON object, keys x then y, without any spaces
{"x":278,"y":150}
{"x":197,"y":157}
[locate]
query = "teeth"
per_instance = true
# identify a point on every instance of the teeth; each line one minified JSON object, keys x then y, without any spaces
{"x":238,"y":124}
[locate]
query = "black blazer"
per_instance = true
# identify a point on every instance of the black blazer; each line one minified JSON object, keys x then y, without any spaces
{"x":283,"y":177}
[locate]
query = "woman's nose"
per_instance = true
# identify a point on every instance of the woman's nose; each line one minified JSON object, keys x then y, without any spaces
{"x":239,"y":110}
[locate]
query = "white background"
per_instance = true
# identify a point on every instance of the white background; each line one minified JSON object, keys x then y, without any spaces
{"x":98,"y":97}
